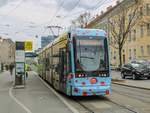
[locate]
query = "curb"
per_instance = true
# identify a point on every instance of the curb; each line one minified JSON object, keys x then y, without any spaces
{"x":130,"y":85}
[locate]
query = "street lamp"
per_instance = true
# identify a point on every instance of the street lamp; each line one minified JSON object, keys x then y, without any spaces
{"x":36,"y":42}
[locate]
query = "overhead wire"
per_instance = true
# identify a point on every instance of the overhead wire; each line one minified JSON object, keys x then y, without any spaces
{"x":95,"y":7}
{"x":99,"y":4}
{"x":16,"y":7}
{"x":56,"y":12}
{"x":70,"y":10}
{"x":12,"y":10}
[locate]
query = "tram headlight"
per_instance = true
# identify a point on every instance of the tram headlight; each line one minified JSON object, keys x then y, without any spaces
{"x":81,"y":75}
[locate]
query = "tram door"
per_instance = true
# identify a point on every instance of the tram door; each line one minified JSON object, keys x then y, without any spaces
{"x":63,"y":69}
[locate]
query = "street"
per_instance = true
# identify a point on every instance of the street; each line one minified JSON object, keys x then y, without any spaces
{"x":141,"y":83}
{"x":38,"y":98}
{"x":74,"y":56}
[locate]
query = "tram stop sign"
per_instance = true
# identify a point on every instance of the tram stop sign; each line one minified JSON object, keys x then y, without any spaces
{"x":28,"y":46}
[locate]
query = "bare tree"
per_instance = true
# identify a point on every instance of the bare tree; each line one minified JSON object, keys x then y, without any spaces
{"x":82,"y":20}
{"x":121,"y":23}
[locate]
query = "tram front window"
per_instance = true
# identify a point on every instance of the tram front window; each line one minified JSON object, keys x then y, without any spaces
{"x":91,"y":54}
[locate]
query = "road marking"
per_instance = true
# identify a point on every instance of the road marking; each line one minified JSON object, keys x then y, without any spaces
{"x":59,"y":96}
{"x":17,"y":101}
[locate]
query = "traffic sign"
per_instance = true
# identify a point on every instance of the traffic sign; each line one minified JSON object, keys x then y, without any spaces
{"x":19,"y":45}
{"x":20,"y":56}
{"x":28,"y":46}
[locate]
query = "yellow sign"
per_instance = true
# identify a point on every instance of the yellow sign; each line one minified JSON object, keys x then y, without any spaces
{"x":28,"y":46}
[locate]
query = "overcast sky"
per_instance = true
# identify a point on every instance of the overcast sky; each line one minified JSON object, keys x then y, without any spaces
{"x":24,"y":19}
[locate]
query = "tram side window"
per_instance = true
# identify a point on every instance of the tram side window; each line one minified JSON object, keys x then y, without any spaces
{"x":47,"y":63}
{"x":68,"y":61}
{"x":64,"y":62}
{"x":56,"y":64}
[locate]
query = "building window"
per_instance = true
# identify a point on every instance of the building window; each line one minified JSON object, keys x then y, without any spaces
{"x":123,"y":51}
{"x":148,"y":29}
{"x":148,"y":9}
{"x":114,"y":55}
{"x":130,"y":54}
{"x":134,"y":53}
{"x":142,"y":31}
{"x":130,"y":36}
{"x":148,"y":49}
{"x":134,"y":35}
{"x":142,"y":51}
{"x":141,"y":11}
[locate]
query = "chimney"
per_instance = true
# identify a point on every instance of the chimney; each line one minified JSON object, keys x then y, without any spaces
{"x":108,"y":8}
{"x":117,"y":2}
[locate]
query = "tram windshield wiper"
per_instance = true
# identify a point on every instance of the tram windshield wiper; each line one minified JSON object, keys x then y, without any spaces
{"x":86,"y":57}
{"x":101,"y":70}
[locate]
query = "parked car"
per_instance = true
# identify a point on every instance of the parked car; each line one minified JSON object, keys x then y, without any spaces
{"x":136,"y":69}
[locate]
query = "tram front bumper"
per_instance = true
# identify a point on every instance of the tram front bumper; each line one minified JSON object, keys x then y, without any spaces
{"x":91,"y":91}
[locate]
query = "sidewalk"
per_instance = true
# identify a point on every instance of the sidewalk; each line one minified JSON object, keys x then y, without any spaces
{"x":38,"y":98}
{"x":143,"y":84}
{"x":34,"y":98}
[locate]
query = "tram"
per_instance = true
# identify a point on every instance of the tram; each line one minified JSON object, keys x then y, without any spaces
{"x":77,"y":63}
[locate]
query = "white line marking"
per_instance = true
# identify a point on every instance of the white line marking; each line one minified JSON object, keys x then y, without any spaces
{"x":59,"y":96}
{"x":18,"y":102}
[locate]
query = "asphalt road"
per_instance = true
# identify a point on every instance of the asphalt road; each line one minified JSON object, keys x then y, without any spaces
{"x":123,"y":100}
{"x":37,"y":98}
{"x":143,"y":83}
{"x":133,"y":98}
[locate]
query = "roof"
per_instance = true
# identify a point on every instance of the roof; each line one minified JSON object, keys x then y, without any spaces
{"x":107,"y":12}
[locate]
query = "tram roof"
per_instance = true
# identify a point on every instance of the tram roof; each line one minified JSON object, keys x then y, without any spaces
{"x":61,"y":37}
{"x":77,"y":32}
{"x":88,"y":32}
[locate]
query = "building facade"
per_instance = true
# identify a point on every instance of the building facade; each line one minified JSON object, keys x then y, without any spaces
{"x":137,"y":44}
{"x":7,"y":51}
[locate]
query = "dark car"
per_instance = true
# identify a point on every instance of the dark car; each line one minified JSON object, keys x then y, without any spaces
{"x":136,"y":70}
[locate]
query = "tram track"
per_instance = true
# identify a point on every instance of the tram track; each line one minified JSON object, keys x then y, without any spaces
{"x":123,"y":106}
{"x":136,"y":93}
{"x":130,"y":86}
{"x":139,"y":94}
{"x":89,"y":110}
{"x":86,"y":103}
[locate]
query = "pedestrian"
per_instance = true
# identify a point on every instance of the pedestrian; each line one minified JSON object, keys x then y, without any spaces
{"x":11,"y":67}
{"x":26,"y":70}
